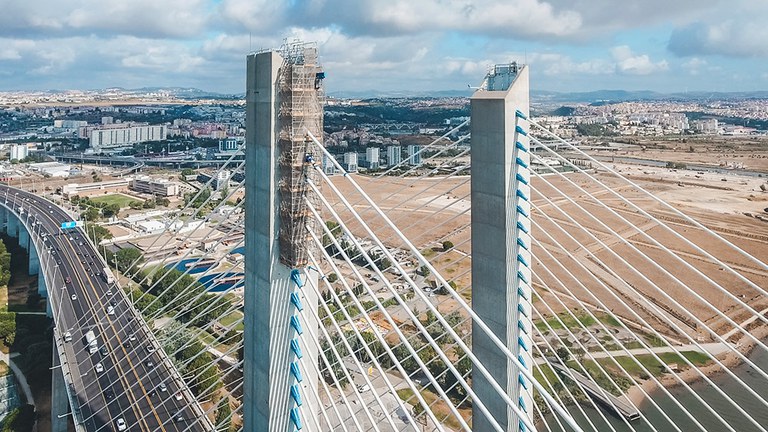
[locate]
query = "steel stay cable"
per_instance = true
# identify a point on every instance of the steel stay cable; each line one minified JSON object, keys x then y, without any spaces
{"x":371,"y":324}
{"x":314,"y":337}
{"x":658,"y":244}
{"x":662,"y":202}
{"x":357,"y":332}
{"x":665,"y":272}
{"x":651,"y":352}
{"x":461,"y":302}
{"x":418,"y":324}
{"x":393,"y":323}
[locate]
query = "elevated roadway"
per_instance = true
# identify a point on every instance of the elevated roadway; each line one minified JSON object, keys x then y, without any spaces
{"x":135,"y":381}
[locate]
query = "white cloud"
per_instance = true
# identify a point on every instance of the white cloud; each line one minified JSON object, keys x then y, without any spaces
{"x":147,"y":18}
{"x":510,"y":18}
{"x":630,"y":63}
{"x":734,"y":38}
{"x":694,"y":65}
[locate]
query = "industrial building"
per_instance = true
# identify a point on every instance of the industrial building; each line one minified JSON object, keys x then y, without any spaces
{"x":53,"y":169}
{"x":159,"y":187}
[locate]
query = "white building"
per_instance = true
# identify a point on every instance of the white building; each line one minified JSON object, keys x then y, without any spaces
{"x":229,"y":145}
{"x":148,"y":185}
{"x":414,"y":154}
{"x":69,"y":124}
{"x":328,"y":167}
{"x":222,"y":180}
{"x":350,"y":162}
{"x":394,"y":155}
{"x":124,"y":135}
{"x":53,"y":169}
{"x":99,"y":188}
{"x":706,"y":126}
{"x":19,"y":152}
{"x":372,"y":157}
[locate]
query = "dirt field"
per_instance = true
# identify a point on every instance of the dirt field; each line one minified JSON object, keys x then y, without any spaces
{"x":614,"y":258}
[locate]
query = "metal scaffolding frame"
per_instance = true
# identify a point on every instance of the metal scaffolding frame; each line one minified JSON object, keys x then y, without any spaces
{"x":300,"y":111}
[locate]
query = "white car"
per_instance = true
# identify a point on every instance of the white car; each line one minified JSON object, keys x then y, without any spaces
{"x":110,"y":310}
{"x":73,"y":297}
{"x":109,"y":292}
{"x":99,"y":367}
{"x":178,"y":396}
{"x":67,"y":337}
{"x":163,"y":388}
{"x":120,"y":423}
{"x":132,"y":338}
{"x":363,"y":388}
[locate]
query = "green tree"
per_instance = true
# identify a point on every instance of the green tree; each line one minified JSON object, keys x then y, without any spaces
{"x":97,"y":233}
{"x":91,"y":214}
{"x":111,"y":210}
{"x":135,"y":205}
{"x":20,"y":419}
{"x":187,"y":171}
{"x":162,"y":202}
{"x":424,"y":270}
{"x":447,"y":245}
{"x":124,"y":258}
{"x":5,"y":265}
{"x":223,"y":415}
{"x":197,"y":200}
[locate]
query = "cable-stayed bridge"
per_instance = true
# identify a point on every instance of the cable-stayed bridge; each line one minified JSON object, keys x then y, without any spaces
{"x":545,"y":291}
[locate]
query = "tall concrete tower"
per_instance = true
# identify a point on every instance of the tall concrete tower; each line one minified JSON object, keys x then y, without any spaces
{"x":283,"y":103}
{"x":501,"y":274}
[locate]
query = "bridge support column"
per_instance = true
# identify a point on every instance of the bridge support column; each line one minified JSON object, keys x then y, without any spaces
{"x":34,"y":260}
{"x":279,"y":372}
{"x":42,"y":289}
{"x":501,"y":256}
{"x":59,"y":401}
{"x":12,"y":229}
{"x":23,"y":237}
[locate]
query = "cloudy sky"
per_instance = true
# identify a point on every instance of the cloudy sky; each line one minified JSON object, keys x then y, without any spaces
{"x":408,"y":45}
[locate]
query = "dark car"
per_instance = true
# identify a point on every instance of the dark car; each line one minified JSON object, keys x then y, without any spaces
{"x":109,"y":393}
{"x":103,"y":351}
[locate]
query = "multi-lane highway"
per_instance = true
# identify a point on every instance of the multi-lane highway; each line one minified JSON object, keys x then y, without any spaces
{"x":128,"y":383}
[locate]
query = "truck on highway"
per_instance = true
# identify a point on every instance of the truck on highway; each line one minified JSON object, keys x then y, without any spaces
{"x":108,"y":276}
{"x":91,"y":342}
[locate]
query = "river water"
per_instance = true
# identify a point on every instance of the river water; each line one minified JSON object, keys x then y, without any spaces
{"x":657,"y":421}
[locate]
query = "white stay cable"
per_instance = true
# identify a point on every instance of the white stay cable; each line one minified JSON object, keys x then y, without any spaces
{"x":387,"y":316}
{"x":618,"y":298}
{"x":661,"y":269}
{"x":476,"y":319}
{"x":662,"y":202}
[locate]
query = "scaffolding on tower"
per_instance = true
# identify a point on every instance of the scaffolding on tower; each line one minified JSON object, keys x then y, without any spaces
{"x":300,"y":111}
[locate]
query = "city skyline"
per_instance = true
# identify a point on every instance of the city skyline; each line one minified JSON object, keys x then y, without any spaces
{"x":429,"y":46}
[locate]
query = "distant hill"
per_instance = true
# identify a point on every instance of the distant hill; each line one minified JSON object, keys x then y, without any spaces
{"x":544,"y":96}
{"x":537,"y":96}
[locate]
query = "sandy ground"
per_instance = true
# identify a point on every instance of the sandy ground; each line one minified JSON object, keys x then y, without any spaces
{"x":625,"y":261}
